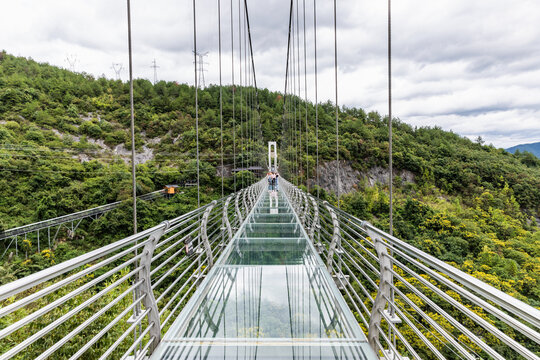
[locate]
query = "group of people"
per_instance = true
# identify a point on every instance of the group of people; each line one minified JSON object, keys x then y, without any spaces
{"x":272,"y":177}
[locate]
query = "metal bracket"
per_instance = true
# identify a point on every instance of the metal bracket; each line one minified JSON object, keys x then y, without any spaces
{"x":145,"y":288}
{"x":204,"y":234}
{"x":384,"y":288}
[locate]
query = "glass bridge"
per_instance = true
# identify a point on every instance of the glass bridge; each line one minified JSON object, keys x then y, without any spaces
{"x":269,"y":296}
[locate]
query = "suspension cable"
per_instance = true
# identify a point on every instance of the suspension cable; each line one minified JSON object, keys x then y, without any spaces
{"x":285,"y":123}
{"x":305,"y":96}
{"x":132,"y":109}
{"x":220,"y":97}
{"x":241,"y":92}
{"x":337,"y":105}
{"x":196,"y":101}
{"x":299,"y":134}
{"x":390,"y":170}
{"x":316,"y":95}
{"x":233,"y":90}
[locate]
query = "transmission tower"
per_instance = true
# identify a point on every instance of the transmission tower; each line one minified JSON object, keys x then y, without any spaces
{"x":155,"y":67}
{"x":201,"y":69}
{"x":117,"y":67}
{"x":72,"y":61}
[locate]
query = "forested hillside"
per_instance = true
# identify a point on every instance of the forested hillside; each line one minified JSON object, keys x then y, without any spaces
{"x":63,"y":147}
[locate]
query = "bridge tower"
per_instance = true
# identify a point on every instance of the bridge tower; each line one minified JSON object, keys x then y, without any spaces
{"x":272,"y":156}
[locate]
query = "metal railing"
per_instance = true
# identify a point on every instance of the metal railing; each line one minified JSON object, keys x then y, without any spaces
{"x":411,"y":304}
{"x":70,"y":221}
{"x":117,"y":301}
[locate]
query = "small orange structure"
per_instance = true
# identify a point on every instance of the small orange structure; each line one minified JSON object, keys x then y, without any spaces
{"x":170,"y":190}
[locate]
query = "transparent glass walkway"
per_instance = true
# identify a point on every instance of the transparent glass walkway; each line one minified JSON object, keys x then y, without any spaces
{"x":269,"y":296}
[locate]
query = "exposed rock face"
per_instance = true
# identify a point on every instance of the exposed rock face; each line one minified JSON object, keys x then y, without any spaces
{"x":328,"y":172}
{"x":227,"y":170}
{"x":351,"y":178}
{"x":147,"y":154}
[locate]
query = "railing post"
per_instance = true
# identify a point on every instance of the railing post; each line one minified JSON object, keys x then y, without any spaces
{"x":305,"y":208}
{"x":244,"y":201}
{"x":340,"y":279}
{"x":383,"y":292}
{"x":145,"y":288}
{"x":204,"y":234}
{"x":315,"y":220}
{"x":237,"y":207}
{"x":335,"y":244}
{"x":226,"y":216}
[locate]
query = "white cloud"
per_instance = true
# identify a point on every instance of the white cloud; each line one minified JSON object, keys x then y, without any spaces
{"x":472,"y":67}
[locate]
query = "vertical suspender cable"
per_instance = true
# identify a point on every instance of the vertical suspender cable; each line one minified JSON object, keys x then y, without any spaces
{"x":132,"y":109}
{"x":241,"y":98}
{"x":316,"y":95}
{"x":233,"y":90}
{"x":299,"y":147}
{"x":133,"y":176}
{"x":305,"y":96}
{"x":286,"y":82}
{"x":196,"y":101}
{"x":390,"y":170}
{"x":298,"y":125}
{"x":220,"y":96}
{"x":253,"y":77}
{"x":337,"y":105}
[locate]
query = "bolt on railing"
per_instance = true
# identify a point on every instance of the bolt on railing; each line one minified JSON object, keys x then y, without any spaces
{"x":116,"y":301}
{"x":412,"y":305}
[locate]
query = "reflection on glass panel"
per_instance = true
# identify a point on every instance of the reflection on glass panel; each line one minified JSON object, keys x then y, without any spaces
{"x":268,"y":297}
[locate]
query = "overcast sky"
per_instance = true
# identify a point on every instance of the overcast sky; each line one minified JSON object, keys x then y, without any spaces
{"x":468,"y":66}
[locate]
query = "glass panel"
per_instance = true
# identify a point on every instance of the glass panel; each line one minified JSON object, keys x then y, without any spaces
{"x":269,"y":296}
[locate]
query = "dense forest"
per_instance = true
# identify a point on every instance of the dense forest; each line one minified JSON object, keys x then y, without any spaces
{"x":63,"y":148}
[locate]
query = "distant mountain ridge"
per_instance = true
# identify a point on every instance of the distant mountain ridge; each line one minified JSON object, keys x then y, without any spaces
{"x":533,"y":148}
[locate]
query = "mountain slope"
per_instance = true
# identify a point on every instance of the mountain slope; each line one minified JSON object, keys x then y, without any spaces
{"x":63,"y":141}
{"x":533,"y":148}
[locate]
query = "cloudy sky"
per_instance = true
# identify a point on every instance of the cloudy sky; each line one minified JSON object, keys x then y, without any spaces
{"x":468,"y":66}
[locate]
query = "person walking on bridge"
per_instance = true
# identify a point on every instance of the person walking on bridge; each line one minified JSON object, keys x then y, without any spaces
{"x":269,"y":177}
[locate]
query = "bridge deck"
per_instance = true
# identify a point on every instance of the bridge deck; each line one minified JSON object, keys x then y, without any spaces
{"x":269,"y":296}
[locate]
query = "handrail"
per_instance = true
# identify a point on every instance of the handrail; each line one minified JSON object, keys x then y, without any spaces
{"x":70,"y":217}
{"x":407,"y":286}
{"x":82,"y":300}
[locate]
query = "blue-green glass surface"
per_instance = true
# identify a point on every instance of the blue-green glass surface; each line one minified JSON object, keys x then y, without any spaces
{"x":269,"y":296}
